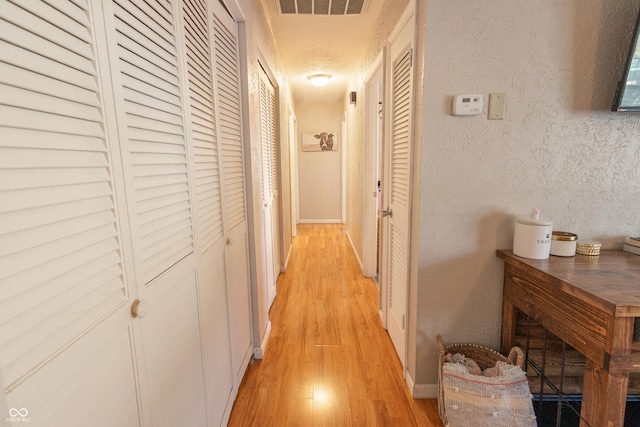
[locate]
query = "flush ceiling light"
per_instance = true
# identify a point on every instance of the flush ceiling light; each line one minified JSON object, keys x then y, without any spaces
{"x":319,"y":80}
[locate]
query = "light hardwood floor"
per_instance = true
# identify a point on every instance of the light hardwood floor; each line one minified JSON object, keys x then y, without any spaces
{"x":328,"y":361}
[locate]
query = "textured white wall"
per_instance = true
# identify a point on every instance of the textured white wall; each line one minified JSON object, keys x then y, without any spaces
{"x":259,"y":46}
{"x":559,"y":148}
{"x":320,"y":172}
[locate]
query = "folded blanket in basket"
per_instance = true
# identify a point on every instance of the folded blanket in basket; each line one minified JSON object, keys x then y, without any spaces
{"x":477,"y":401}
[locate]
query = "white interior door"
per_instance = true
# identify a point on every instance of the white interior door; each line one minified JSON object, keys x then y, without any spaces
{"x":150,"y":99}
{"x":293,"y":177}
{"x":397,"y":196}
{"x":269,"y":181}
{"x":212,"y":283}
{"x":374,"y":133}
{"x":229,"y":121}
{"x":66,"y":348}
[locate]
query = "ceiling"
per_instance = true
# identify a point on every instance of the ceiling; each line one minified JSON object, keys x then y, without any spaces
{"x":320,"y":42}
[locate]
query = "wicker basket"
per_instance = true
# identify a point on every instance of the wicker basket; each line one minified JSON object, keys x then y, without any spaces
{"x":513,"y":398}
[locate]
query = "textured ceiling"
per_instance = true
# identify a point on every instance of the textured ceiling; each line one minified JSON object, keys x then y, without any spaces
{"x":309,"y":44}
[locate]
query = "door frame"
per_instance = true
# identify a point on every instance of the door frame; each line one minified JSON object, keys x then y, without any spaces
{"x":293,"y":172}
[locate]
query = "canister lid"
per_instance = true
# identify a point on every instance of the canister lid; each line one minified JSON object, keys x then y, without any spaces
{"x":533,"y":219}
{"x":563,"y":236}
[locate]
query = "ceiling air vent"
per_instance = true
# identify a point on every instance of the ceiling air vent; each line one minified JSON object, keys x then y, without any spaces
{"x":322,"y":7}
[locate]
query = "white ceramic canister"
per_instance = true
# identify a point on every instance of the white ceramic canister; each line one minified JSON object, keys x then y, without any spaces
{"x":563,"y":243}
{"x":532,"y":236}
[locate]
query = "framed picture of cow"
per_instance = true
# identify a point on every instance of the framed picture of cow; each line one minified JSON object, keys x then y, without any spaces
{"x":320,"y":141}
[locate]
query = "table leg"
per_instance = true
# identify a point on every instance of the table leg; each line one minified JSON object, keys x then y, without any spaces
{"x":509,"y":318}
{"x":604,"y":397}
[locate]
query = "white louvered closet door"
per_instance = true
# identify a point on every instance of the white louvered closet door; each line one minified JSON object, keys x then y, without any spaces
{"x":65,"y":347}
{"x":227,"y":98}
{"x":398,"y":172}
{"x":151,"y":98}
{"x":269,"y":179}
{"x":210,"y":244}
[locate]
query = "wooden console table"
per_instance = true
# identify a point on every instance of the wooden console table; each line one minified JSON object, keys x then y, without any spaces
{"x":589,"y":302}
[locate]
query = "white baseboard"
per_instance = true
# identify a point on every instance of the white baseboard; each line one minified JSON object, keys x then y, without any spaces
{"x":425,"y":391}
{"x":320,"y":221}
{"x":409,"y":380}
{"x":355,"y":252}
{"x":258,"y":352}
{"x":283,"y":269}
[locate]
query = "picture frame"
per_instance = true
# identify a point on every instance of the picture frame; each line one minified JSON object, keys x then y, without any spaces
{"x":320,"y":141}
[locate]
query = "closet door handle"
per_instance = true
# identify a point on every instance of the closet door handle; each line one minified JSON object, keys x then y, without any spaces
{"x":139,"y":309}
{"x":387,"y":212}
{"x":229,"y":241}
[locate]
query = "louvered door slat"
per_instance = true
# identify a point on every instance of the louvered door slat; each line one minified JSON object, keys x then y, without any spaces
{"x":150,"y":112}
{"x":142,"y":21}
{"x":70,"y":269}
{"x":147,"y":67}
{"x":152,"y":102}
{"x":140,"y":87}
{"x":73,"y":10}
{"x":34,"y":43}
{"x":26,"y":157}
{"x":15,"y":200}
{"x":41,"y":252}
{"x":36,"y":296}
{"x":44,"y":85}
{"x":24,"y":219}
{"x":25,"y":178}
{"x":21,"y":241}
{"x":68,"y":320}
{"x":28,"y":99}
{"x":34,"y":61}
{"x":50,"y":122}
{"x":51,"y":24}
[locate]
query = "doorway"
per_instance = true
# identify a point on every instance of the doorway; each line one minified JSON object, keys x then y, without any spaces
{"x":373,"y":173}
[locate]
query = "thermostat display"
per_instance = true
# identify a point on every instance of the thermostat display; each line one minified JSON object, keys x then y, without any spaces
{"x":467,"y":105}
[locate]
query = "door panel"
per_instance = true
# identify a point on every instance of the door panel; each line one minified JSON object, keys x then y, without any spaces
{"x":212,"y":290}
{"x":61,"y":252}
{"x":398,"y":185}
{"x":174,"y":370}
{"x":216,"y":341}
{"x":111,"y":160}
{"x":269,"y":182}
{"x":90,"y":383}
{"x":229,"y":121}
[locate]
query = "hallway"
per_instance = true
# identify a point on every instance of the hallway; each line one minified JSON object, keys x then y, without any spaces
{"x":328,"y":360}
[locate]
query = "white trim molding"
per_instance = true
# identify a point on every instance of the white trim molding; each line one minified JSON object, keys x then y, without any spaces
{"x":258,"y":352}
{"x":425,"y":391}
{"x":321,"y":221}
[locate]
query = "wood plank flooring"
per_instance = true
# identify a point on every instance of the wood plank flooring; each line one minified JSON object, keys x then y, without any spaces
{"x":328,"y":362}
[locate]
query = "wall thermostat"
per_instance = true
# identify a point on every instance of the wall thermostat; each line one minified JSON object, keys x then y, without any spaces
{"x":467,"y":105}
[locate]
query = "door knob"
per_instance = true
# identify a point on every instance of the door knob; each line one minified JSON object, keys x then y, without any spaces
{"x":139,"y":309}
{"x":229,"y":241}
{"x":387,"y":212}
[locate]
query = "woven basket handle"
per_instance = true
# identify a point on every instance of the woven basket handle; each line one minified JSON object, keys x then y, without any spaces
{"x":440,"y":344}
{"x":516,"y":357}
